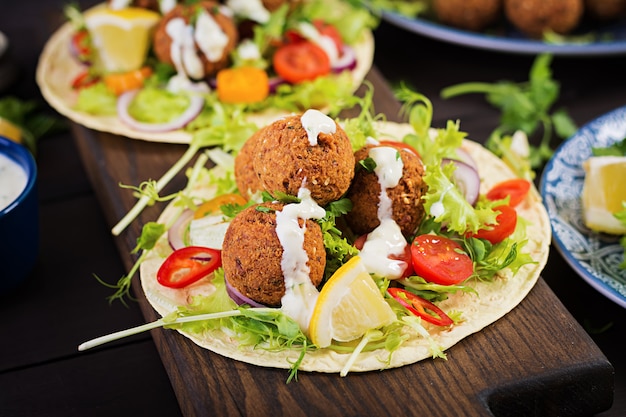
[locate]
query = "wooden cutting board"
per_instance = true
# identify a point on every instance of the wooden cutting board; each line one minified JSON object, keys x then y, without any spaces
{"x":536,"y":360}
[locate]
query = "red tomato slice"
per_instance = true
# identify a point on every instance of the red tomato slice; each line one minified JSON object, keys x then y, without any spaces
{"x":440,"y":260}
{"x":507,"y":220}
{"x":84,"y":79}
{"x":517,"y":188}
{"x":188,"y":265}
{"x":331,"y":31}
{"x":81,"y":44}
{"x":420,"y":307}
{"x":406,"y":257}
{"x":301,"y":61}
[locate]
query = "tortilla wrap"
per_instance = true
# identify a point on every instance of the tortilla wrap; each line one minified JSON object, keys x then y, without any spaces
{"x":494,"y":299}
{"x":57,"y":68}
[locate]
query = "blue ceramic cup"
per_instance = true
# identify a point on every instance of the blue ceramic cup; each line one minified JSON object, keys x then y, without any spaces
{"x":19,"y":215}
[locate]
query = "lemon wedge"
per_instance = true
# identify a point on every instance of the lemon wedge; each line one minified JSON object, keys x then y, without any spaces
{"x":10,"y":131}
{"x":121,"y":38}
{"x":348,"y":305}
{"x":604,"y":190}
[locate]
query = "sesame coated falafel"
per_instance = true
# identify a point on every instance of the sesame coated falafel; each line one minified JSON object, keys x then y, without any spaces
{"x":406,"y":197}
{"x":535,"y":17}
{"x":162,"y":42}
{"x":246,"y":177}
{"x":473,"y":15}
{"x":285,"y":161}
{"x":252,"y":253}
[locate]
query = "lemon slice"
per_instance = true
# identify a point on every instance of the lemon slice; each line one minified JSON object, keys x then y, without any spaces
{"x":604,"y":190}
{"x":121,"y":38}
{"x":10,"y":131}
{"x":349,"y":305}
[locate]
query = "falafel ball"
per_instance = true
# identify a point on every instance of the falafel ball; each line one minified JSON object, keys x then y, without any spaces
{"x":218,"y":45}
{"x":285,"y":160}
{"x":605,"y":9}
{"x":535,"y":17}
{"x":246,"y":177}
{"x":473,"y":15}
{"x":406,"y":197}
{"x":252,"y":253}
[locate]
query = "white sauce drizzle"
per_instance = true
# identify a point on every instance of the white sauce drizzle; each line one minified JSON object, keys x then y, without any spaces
{"x":311,"y":33}
{"x":119,"y":4}
{"x":210,"y":37}
{"x":166,"y":5}
{"x":316,"y":122}
{"x":13,"y":180}
{"x":437,"y":208}
{"x":300,"y":293}
{"x":387,"y":238}
{"x":248,"y":50}
{"x":250,"y":9}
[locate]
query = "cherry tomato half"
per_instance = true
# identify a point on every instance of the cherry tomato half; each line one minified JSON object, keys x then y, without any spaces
{"x":326,"y":29}
{"x":516,"y":188}
{"x":507,"y":220}
{"x":440,"y":260}
{"x":406,"y":257}
{"x":215,"y":204}
{"x":188,"y":265}
{"x":420,"y":307}
{"x":301,"y":61}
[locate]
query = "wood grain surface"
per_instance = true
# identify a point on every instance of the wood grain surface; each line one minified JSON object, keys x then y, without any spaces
{"x":537,"y":360}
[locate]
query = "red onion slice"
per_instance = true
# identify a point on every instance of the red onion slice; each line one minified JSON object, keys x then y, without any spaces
{"x":346,"y":61}
{"x":123,"y":101}
{"x":464,"y":156}
{"x":466,"y":179}
{"x":176,"y":233}
{"x":238,"y":297}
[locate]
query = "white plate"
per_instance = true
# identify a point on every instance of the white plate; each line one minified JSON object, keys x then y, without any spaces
{"x":594,"y":256}
{"x":512,"y":41}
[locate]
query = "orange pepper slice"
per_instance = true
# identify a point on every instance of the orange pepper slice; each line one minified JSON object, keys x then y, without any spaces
{"x":242,"y":85}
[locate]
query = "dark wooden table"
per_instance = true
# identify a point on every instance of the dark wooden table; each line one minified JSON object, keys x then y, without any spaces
{"x":544,"y":358}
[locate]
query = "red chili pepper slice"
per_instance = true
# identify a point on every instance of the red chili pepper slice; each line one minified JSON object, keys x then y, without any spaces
{"x":420,"y":307}
{"x":188,"y":265}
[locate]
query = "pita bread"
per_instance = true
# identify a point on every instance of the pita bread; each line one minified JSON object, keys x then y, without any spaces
{"x":57,"y":68}
{"x":494,"y":300}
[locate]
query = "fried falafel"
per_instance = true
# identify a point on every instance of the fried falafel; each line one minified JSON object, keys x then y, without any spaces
{"x":204,"y":50}
{"x":406,"y":197}
{"x":252,"y":254}
{"x":246,"y":177}
{"x":285,"y":159}
{"x":535,"y":17}
{"x":473,"y":15}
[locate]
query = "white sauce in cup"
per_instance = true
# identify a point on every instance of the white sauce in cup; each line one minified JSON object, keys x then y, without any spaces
{"x":13,"y":180}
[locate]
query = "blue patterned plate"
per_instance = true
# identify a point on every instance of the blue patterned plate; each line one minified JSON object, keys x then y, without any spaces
{"x":594,"y":256}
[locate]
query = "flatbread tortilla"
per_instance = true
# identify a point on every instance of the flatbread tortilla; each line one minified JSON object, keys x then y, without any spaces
{"x":493,"y":301}
{"x":57,"y":68}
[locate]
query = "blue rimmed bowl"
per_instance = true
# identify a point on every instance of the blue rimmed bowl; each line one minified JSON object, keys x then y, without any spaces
{"x":19,"y":217}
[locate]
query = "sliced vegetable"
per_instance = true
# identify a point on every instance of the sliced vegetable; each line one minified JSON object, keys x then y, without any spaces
{"x":214,"y":205}
{"x":177,"y":234}
{"x":507,"y":221}
{"x":466,"y":179}
{"x":242,"y":85}
{"x":238,"y":297}
{"x":80,"y":46}
{"x":440,"y":260}
{"x":301,"y":61}
{"x":420,"y":307}
{"x":195,"y":106}
{"x":406,"y":257}
{"x":188,"y":265}
{"x":84,"y":79}
{"x":120,"y":83}
{"x":516,"y":188}
{"x":326,"y":29}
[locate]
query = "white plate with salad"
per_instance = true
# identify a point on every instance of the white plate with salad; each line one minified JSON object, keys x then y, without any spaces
{"x":596,"y":257}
